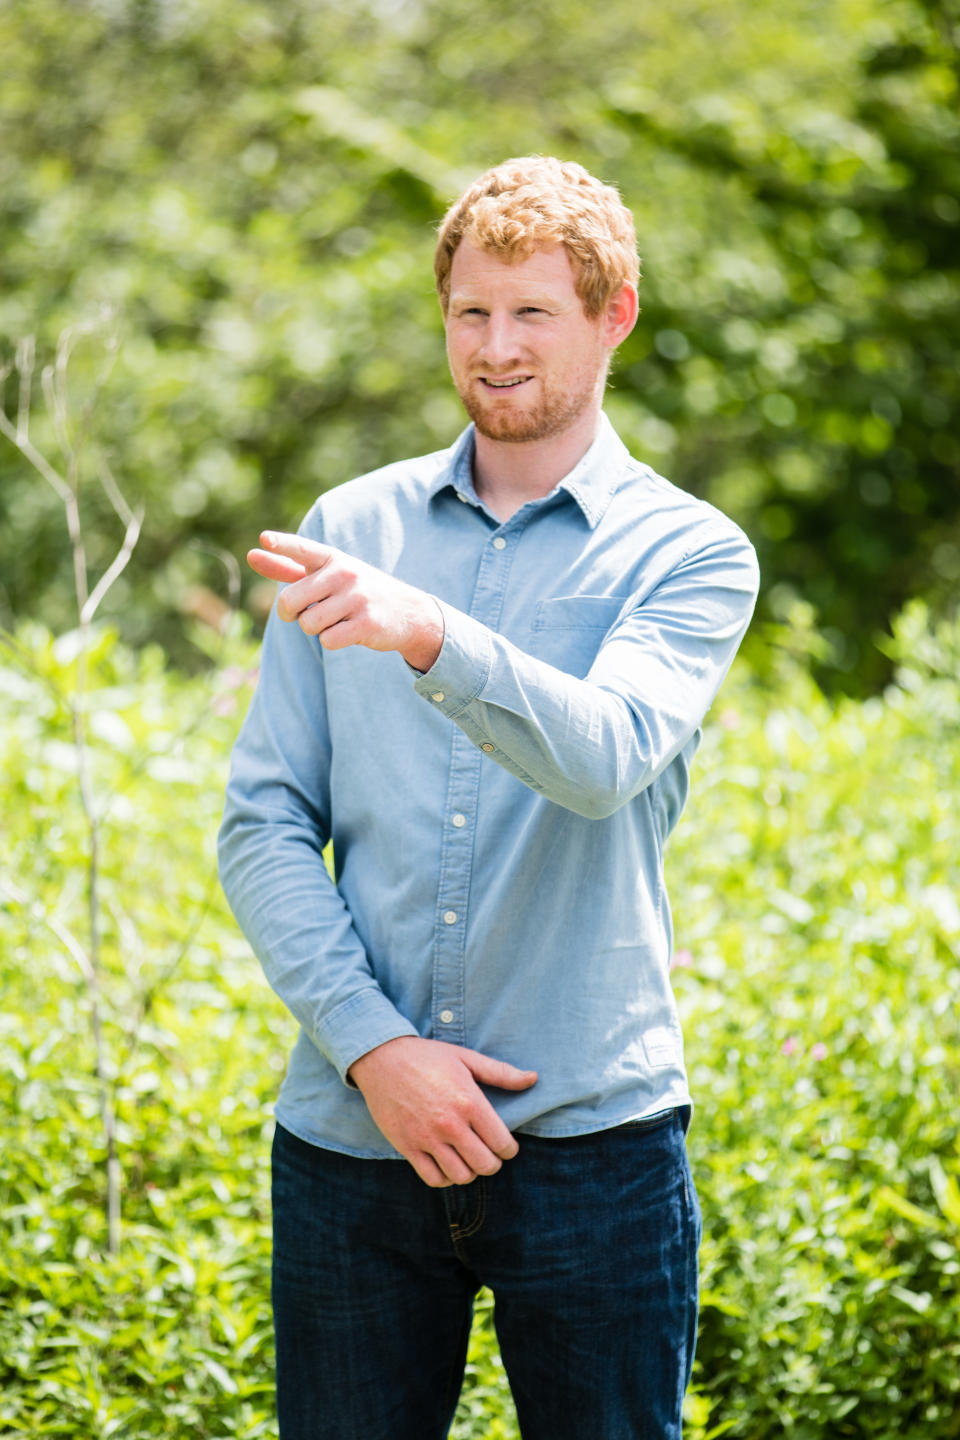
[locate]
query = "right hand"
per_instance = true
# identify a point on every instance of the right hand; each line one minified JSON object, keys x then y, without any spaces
{"x":425,"y":1097}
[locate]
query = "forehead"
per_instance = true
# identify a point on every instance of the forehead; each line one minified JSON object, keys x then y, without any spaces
{"x":547,"y":270}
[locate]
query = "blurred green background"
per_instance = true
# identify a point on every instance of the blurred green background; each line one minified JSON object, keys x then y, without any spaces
{"x":225,"y":212}
{"x":250,"y":191}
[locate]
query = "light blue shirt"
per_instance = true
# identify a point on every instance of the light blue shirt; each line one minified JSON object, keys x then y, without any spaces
{"x":499,"y":822}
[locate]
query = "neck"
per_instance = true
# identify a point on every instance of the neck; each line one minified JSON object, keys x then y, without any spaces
{"x":507,"y":473}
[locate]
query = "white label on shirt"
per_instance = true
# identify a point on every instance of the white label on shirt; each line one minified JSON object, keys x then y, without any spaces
{"x":662,"y":1046}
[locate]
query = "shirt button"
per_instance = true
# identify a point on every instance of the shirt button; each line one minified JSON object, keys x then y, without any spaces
{"x":446,"y":1016}
{"x":487,"y":746}
{"x":459,"y":821}
{"x":449,"y":917}
{"x":438,"y":695}
{"x":461,"y":496}
{"x":499,"y":543}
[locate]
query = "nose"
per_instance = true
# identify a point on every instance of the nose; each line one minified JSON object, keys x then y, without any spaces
{"x":500,"y":344}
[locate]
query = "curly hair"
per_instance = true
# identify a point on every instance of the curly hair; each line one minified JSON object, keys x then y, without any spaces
{"x":538,"y":200}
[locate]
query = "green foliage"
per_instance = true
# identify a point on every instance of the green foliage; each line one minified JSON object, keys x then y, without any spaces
{"x":814,"y":883}
{"x":172,"y":1336}
{"x":814,"y":382}
{"x":253,"y":190}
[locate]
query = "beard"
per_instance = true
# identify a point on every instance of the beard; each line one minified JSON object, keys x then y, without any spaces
{"x":555,"y":412}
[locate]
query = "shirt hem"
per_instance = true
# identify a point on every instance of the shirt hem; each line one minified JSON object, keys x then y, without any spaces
{"x":553,"y":1132}
{"x":534,"y":1128}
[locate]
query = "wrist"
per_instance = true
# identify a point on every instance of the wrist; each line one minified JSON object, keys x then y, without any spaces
{"x":366,"y":1064}
{"x":423,"y":648}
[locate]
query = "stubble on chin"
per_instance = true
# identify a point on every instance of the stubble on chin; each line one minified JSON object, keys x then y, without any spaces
{"x":551,"y":417}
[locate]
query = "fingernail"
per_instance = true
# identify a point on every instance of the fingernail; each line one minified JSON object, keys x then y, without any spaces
{"x":269,"y":537}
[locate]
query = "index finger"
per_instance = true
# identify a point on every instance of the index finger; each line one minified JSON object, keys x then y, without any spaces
{"x":310,"y":553}
{"x":275,"y":567}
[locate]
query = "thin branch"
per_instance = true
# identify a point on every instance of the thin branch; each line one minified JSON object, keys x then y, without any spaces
{"x":39,"y":462}
{"x":116,"y":567}
{"x":66,"y":484}
{"x":113,"y":492}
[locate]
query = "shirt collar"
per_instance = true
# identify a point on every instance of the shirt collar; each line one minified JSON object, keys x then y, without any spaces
{"x":591,"y":482}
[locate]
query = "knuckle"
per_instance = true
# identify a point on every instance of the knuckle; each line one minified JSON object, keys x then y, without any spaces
{"x":448,"y":1128}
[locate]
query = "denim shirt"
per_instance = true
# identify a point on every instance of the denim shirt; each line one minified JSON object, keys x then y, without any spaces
{"x":498,"y":823}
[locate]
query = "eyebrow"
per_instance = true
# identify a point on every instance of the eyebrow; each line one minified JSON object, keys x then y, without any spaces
{"x":464,"y":297}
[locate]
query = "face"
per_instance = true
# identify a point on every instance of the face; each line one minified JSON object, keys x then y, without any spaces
{"x":527,"y":361}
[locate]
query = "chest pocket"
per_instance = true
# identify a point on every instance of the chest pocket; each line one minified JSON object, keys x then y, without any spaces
{"x":568,"y":630}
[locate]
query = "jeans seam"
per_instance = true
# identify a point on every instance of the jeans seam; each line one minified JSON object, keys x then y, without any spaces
{"x":459,"y":1233}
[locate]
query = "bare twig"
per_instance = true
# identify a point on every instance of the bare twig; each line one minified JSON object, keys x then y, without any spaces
{"x":65,"y":481}
{"x":113,"y":492}
{"x":116,"y":567}
{"x":31,"y":453}
{"x":67,"y":487}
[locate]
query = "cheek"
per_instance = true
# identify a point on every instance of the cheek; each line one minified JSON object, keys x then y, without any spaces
{"x":457,"y":349}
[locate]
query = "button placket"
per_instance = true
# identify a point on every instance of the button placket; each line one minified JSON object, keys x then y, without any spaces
{"x":456,"y":860}
{"x":456,"y":857}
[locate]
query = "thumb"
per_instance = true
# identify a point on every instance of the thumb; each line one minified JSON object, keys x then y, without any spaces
{"x":487,"y":1071}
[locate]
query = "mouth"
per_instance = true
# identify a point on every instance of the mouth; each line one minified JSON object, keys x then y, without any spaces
{"x":512,"y":383}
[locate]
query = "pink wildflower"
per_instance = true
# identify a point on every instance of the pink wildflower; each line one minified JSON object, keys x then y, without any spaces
{"x":818,"y":1051}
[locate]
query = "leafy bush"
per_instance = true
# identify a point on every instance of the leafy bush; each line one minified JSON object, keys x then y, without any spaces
{"x":814,"y":882}
{"x":171,"y":1335}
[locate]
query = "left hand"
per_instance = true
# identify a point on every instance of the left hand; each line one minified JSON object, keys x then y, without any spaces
{"x":345,"y":601}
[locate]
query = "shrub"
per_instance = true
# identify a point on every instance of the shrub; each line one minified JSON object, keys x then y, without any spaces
{"x":814,"y":885}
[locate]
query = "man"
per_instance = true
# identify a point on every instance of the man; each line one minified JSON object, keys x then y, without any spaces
{"x":484,"y":680}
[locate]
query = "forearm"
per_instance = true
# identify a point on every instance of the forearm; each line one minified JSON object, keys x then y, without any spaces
{"x":276,"y":822}
{"x":302,"y":934}
{"x":592,"y":744}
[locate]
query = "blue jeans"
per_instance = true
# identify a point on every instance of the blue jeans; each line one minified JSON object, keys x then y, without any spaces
{"x":588,"y":1244}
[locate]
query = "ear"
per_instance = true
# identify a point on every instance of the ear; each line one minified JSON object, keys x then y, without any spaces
{"x":620,"y":316}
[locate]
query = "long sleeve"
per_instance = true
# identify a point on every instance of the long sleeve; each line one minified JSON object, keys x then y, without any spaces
{"x":275,"y":825}
{"x":515,"y":907}
{"x":592,"y":744}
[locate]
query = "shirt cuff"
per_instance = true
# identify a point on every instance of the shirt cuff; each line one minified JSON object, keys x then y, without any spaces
{"x":363,"y":1022}
{"x":461,"y":670}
